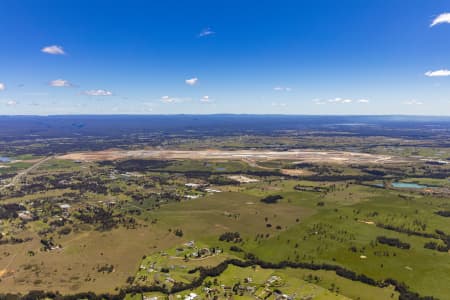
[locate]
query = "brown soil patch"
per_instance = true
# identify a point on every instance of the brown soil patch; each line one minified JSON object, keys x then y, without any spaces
{"x":339,"y":157}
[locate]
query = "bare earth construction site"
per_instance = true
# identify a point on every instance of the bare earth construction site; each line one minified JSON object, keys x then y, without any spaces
{"x":245,"y":155}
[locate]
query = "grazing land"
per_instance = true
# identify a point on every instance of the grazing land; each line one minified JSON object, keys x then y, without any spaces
{"x":260,"y":212}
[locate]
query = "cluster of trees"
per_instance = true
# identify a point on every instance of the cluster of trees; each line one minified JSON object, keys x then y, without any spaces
{"x":443,"y":213}
{"x":105,"y":219}
{"x":271,"y":199}
{"x":229,"y":237}
{"x":105,"y":268}
{"x":47,"y":244}
{"x":14,"y":240}
{"x":141,"y":165}
{"x":407,"y":231}
{"x":393,"y":242}
{"x":236,"y":249}
{"x":221,"y":180}
{"x":439,"y":235}
{"x":436,"y":246}
{"x":308,"y":188}
{"x":374,"y":172}
{"x":9,"y":210}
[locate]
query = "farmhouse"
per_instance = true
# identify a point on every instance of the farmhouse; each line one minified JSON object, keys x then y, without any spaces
{"x":190,"y":244}
{"x":212,"y":191}
{"x":191,"y":296}
{"x":64,"y":206}
{"x":192,"y":185}
{"x":25,"y":215}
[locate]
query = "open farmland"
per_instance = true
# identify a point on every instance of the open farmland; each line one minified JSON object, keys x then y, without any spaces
{"x":179,"y":219}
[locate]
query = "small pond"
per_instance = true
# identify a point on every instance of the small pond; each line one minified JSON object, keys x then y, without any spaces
{"x":408,"y":185}
{"x":404,"y":185}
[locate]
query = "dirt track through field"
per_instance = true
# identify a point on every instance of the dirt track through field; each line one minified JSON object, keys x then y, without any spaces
{"x":339,"y":157}
{"x":22,"y":174}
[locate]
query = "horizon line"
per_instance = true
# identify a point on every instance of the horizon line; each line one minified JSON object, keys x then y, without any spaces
{"x":228,"y":114}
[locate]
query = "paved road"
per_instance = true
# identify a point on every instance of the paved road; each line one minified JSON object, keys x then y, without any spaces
{"x":16,"y":179}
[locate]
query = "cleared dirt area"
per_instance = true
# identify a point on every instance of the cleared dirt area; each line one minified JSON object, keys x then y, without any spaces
{"x":339,"y":157}
{"x":294,"y":172}
{"x":243,"y":179}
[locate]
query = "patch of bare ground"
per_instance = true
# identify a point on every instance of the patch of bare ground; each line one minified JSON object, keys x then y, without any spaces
{"x":339,"y":157}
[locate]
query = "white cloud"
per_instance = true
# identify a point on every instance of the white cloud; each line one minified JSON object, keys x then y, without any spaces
{"x":413,"y":102}
{"x":60,"y":83}
{"x":168,"y":99}
{"x":191,"y":81}
{"x":442,"y":18}
{"x":206,"y":32}
{"x":438,"y":73}
{"x":282,"y":89}
{"x":2,"y":86}
{"x":11,"y":102}
{"x":206,"y":99}
{"x":99,"y":92}
{"x":54,"y":50}
{"x":340,"y":101}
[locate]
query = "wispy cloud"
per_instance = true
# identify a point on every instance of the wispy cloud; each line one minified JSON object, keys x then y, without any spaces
{"x":11,"y":102}
{"x":2,"y":86}
{"x":99,"y":92}
{"x":54,"y":50}
{"x":168,"y":99}
{"x":60,"y":83}
{"x":438,"y":73}
{"x":206,"y":32}
{"x":413,"y":102}
{"x":441,"y":19}
{"x":319,"y":101}
{"x":191,"y":81}
{"x":340,"y":101}
{"x":206,"y":99}
{"x":282,"y":89}
{"x":278,"y":104}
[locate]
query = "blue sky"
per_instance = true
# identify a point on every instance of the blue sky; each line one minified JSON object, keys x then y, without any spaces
{"x":167,"y":57}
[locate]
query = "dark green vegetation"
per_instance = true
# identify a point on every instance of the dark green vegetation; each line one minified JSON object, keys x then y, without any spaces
{"x":128,"y":228}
